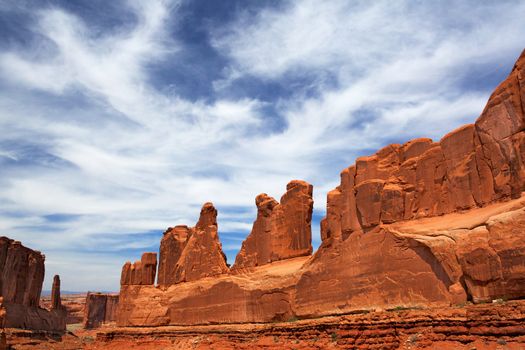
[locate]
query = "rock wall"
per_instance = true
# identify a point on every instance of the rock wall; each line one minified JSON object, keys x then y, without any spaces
{"x":189,"y":254}
{"x":22,"y":274}
{"x":470,"y":167}
{"x":281,"y":230}
{"x":100,"y":308}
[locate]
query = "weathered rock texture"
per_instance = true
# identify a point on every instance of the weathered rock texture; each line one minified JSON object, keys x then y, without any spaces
{"x":141,"y":272}
{"x":99,"y":309}
{"x":418,"y":224}
{"x":470,"y":167}
{"x":188,"y":254}
{"x":281,"y":230}
{"x":485,"y":326}
{"x":22,"y":274}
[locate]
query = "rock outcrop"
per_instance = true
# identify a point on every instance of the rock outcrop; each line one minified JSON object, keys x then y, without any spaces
{"x":100,"y":308}
{"x":141,"y":272}
{"x":470,"y":167}
{"x":22,"y":274}
{"x":281,"y":230}
{"x":56,"y":302}
{"x":188,"y":254}
{"x":419,"y":224}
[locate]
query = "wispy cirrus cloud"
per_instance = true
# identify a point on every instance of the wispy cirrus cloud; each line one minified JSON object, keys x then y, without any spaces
{"x":102,"y":147}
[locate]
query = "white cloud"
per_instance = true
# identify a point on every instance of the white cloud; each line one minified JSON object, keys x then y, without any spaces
{"x":130,"y":158}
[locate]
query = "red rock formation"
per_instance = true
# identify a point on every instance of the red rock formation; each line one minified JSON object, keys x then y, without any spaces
{"x":56,"y":302}
{"x":470,"y":167}
{"x":111,"y":308}
{"x":281,"y":230}
{"x":140,"y":272}
{"x":189,"y":254}
{"x":99,"y":309}
{"x":171,"y":246}
{"x":422,"y":223}
{"x":22,"y":274}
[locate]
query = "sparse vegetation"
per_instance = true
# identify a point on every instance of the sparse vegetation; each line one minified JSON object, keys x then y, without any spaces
{"x":88,"y":339}
{"x":413,"y":338}
{"x":334,"y":337}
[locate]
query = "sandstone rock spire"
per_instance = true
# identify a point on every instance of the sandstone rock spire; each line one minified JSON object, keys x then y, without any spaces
{"x":281,"y":230}
{"x":56,"y":302}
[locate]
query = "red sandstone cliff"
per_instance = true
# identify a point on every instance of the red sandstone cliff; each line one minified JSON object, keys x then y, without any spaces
{"x":415,"y":224}
{"x":99,"y":309}
{"x":470,"y":167}
{"x":281,"y":230}
{"x":22,"y":275}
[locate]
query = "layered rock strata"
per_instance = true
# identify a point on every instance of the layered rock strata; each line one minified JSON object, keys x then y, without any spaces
{"x":485,"y":326}
{"x":100,"y":308}
{"x":424,"y":223}
{"x":188,"y":254}
{"x":282,"y":229}
{"x":22,"y":274}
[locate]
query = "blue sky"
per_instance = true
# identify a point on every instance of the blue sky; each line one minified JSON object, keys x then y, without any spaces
{"x":120,"y":118}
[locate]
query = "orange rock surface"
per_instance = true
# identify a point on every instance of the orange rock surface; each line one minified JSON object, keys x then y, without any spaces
{"x":188,"y":254}
{"x":141,"y":272}
{"x":281,"y":230}
{"x":470,"y":167}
